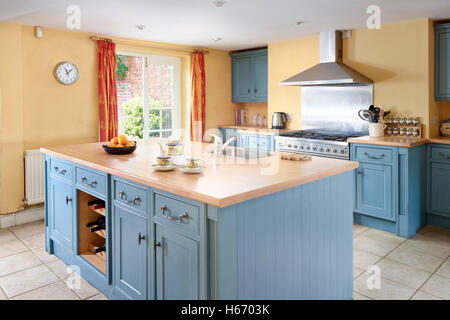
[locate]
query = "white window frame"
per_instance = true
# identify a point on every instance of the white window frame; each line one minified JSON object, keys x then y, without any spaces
{"x":176,"y":94}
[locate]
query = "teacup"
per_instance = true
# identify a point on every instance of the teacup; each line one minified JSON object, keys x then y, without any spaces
{"x":192,"y":163}
{"x":164,"y":161}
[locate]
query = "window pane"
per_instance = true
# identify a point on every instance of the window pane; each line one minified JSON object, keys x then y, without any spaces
{"x":154,"y":97}
{"x":154,"y":75}
{"x":167,"y":75}
{"x":167,"y":119}
{"x":167,"y":97}
{"x":154,"y":119}
{"x":166,"y":134}
{"x":154,"y":134}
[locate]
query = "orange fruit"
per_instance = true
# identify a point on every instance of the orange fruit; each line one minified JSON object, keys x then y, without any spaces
{"x":123,"y":140}
{"x":130,"y":144}
{"x":115,"y":140}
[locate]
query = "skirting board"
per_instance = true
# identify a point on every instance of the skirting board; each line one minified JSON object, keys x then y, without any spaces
{"x":28,"y":215}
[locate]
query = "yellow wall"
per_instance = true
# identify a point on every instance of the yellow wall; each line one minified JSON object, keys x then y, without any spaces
{"x":11,"y":118}
{"x":37,"y":111}
{"x":398,"y":57}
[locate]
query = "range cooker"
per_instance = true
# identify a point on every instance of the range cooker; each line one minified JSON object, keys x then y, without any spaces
{"x":322,"y":144}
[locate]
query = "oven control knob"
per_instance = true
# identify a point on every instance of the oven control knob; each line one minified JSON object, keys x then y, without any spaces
{"x":342,"y":151}
{"x":314,"y":148}
{"x":321,"y":149}
{"x":302,"y":147}
{"x":335,"y":150}
{"x":289,"y":146}
{"x":308,"y":147}
{"x":328,"y":150}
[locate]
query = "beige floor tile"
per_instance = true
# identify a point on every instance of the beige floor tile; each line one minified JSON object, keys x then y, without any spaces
{"x":376,"y":243}
{"x":420,"y":295}
{"x":6,"y":235}
{"x":86,"y":290}
{"x":359,"y":229}
{"x":438,"y":286}
{"x":55,"y":291}
{"x":444,"y":270}
{"x":402,"y":273}
{"x":44,"y":255}
{"x":362,"y":259}
{"x":34,"y":241}
{"x":2,"y":295}
{"x":383,"y":235}
{"x":430,"y":245}
{"x":357,"y":272}
{"x":409,"y":254}
{"x":357,"y":296}
{"x":60,"y":269}
{"x":18,"y":262}
{"x":389,"y":290}
{"x":11,"y":247}
{"x":99,"y":296}
{"x":27,"y":280}
{"x":437,"y":232}
{"x":29,"y":229}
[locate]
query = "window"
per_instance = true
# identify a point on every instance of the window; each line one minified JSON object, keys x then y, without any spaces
{"x":148,"y":90}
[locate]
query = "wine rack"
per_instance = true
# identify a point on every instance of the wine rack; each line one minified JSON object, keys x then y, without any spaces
{"x":92,"y":230}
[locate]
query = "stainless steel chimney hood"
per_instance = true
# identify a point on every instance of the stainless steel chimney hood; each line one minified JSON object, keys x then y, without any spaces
{"x":330,"y":70}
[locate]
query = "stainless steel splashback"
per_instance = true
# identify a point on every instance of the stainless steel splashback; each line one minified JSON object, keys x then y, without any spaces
{"x":334,"y":108}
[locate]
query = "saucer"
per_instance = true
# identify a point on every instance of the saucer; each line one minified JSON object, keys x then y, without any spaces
{"x":157,"y":167}
{"x":186,"y":169}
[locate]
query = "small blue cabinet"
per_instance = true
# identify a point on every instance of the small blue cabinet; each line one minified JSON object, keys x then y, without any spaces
{"x":257,"y":141}
{"x":249,"y":76}
{"x":442,"y":62}
{"x":228,"y":133}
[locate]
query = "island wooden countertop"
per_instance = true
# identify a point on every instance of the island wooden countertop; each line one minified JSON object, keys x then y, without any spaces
{"x":225,"y":181}
{"x":440,"y":140}
{"x":390,"y":141}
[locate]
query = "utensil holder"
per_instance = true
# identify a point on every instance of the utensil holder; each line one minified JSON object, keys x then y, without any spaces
{"x":376,"y":129}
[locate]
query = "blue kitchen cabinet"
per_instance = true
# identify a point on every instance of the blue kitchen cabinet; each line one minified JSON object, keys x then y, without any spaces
{"x":257,"y":141}
{"x":177,"y":265}
{"x":438,"y":196}
{"x":249,"y":76}
{"x":228,"y":133}
{"x":390,"y":188}
{"x":61,"y":209}
{"x":442,"y":62}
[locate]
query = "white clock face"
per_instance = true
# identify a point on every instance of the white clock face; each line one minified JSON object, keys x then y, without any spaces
{"x":67,"y":73}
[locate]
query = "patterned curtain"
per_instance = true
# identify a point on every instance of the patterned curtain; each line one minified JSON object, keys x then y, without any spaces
{"x":107,"y":90}
{"x":198,"y":97}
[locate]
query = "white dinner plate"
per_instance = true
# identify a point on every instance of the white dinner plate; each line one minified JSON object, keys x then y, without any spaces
{"x":185,"y":169}
{"x":157,"y":167}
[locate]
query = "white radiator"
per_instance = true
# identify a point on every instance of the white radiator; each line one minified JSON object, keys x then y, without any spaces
{"x":34,"y":177}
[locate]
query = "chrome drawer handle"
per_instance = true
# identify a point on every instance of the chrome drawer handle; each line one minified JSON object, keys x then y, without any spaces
{"x":373,"y":157}
{"x":63,"y":172}
{"x":93,"y":184}
{"x":444,"y":156}
{"x":68,"y":200}
{"x":123,"y":198}
{"x":179,"y":220}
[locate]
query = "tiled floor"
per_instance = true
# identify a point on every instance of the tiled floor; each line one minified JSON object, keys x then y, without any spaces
{"x":415,"y":269}
{"x":418,"y":268}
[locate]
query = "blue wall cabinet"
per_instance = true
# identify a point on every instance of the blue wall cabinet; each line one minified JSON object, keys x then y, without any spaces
{"x":177,"y":267}
{"x":130,"y":253}
{"x":374,"y":191}
{"x":249,"y":76}
{"x":442,"y":62}
{"x":61,"y":212}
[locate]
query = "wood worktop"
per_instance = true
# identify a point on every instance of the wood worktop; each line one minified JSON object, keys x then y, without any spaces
{"x":390,"y":141}
{"x":250,"y":129}
{"x":225,"y":181}
{"x":440,"y":140}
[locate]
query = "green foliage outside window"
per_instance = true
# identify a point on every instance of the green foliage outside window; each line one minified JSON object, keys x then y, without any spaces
{"x":133,"y":124}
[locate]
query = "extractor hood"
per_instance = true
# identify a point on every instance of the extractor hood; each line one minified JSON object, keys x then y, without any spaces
{"x":331,"y":69}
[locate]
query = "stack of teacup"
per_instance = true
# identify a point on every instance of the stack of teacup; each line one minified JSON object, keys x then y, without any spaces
{"x":164,"y":161}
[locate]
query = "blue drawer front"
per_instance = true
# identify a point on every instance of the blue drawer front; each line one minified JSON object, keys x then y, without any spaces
{"x":374,"y":155}
{"x":132,"y":196}
{"x":440,"y":153}
{"x":91,"y":181}
{"x":61,"y":169}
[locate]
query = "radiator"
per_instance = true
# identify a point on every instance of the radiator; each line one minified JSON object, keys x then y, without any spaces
{"x":34,"y":177}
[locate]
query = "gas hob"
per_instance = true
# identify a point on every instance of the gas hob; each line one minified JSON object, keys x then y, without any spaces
{"x":314,"y":143}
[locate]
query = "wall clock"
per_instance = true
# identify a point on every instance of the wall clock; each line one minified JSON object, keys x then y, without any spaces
{"x":67,"y":73}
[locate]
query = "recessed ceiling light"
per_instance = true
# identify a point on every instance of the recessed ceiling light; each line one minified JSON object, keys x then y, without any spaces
{"x":217,"y":39}
{"x":299,"y":23}
{"x":140,"y":27}
{"x":219,"y":3}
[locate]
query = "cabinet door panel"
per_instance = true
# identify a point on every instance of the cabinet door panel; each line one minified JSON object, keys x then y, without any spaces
{"x":374,"y":191}
{"x":130,"y":256}
{"x":440,"y":183}
{"x":61,"y":199}
{"x":242,"y":79}
{"x":443,"y":64}
{"x":260,"y":76}
{"x":177,"y":269}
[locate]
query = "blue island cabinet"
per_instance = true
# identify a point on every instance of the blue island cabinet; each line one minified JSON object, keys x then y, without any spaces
{"x":390,"y":188}
{"x":292,"y":244}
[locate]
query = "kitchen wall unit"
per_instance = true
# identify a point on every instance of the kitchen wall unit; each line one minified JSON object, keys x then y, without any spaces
{"x":390,"y":188}
{"x":249,"y":76}
{"x":438,"y":196}
{"x":442,"y":62}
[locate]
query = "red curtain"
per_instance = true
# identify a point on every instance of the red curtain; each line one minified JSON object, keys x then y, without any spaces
{"x":107,"y":90}
{"x":198,"y":97}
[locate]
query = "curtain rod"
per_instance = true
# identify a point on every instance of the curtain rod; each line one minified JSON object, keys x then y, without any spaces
{"x":95,"y":38}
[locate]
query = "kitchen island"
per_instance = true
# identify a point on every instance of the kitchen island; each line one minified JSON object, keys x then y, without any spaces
{"x":246,"y":228}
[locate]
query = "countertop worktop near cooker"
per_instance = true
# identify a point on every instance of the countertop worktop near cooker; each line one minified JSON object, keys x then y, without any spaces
{"x":390,"y":141}
{"x":226,"y":180}
{"x":440,"y":140}
{"x":250,"y":129}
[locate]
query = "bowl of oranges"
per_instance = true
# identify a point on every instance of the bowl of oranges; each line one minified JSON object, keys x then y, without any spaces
{"x":120,"y":145}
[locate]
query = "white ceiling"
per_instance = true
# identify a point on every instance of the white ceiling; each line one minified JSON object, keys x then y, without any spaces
{"x":241,"y":23}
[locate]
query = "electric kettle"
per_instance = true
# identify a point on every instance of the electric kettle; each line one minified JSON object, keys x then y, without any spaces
{"x":279,"y":120}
